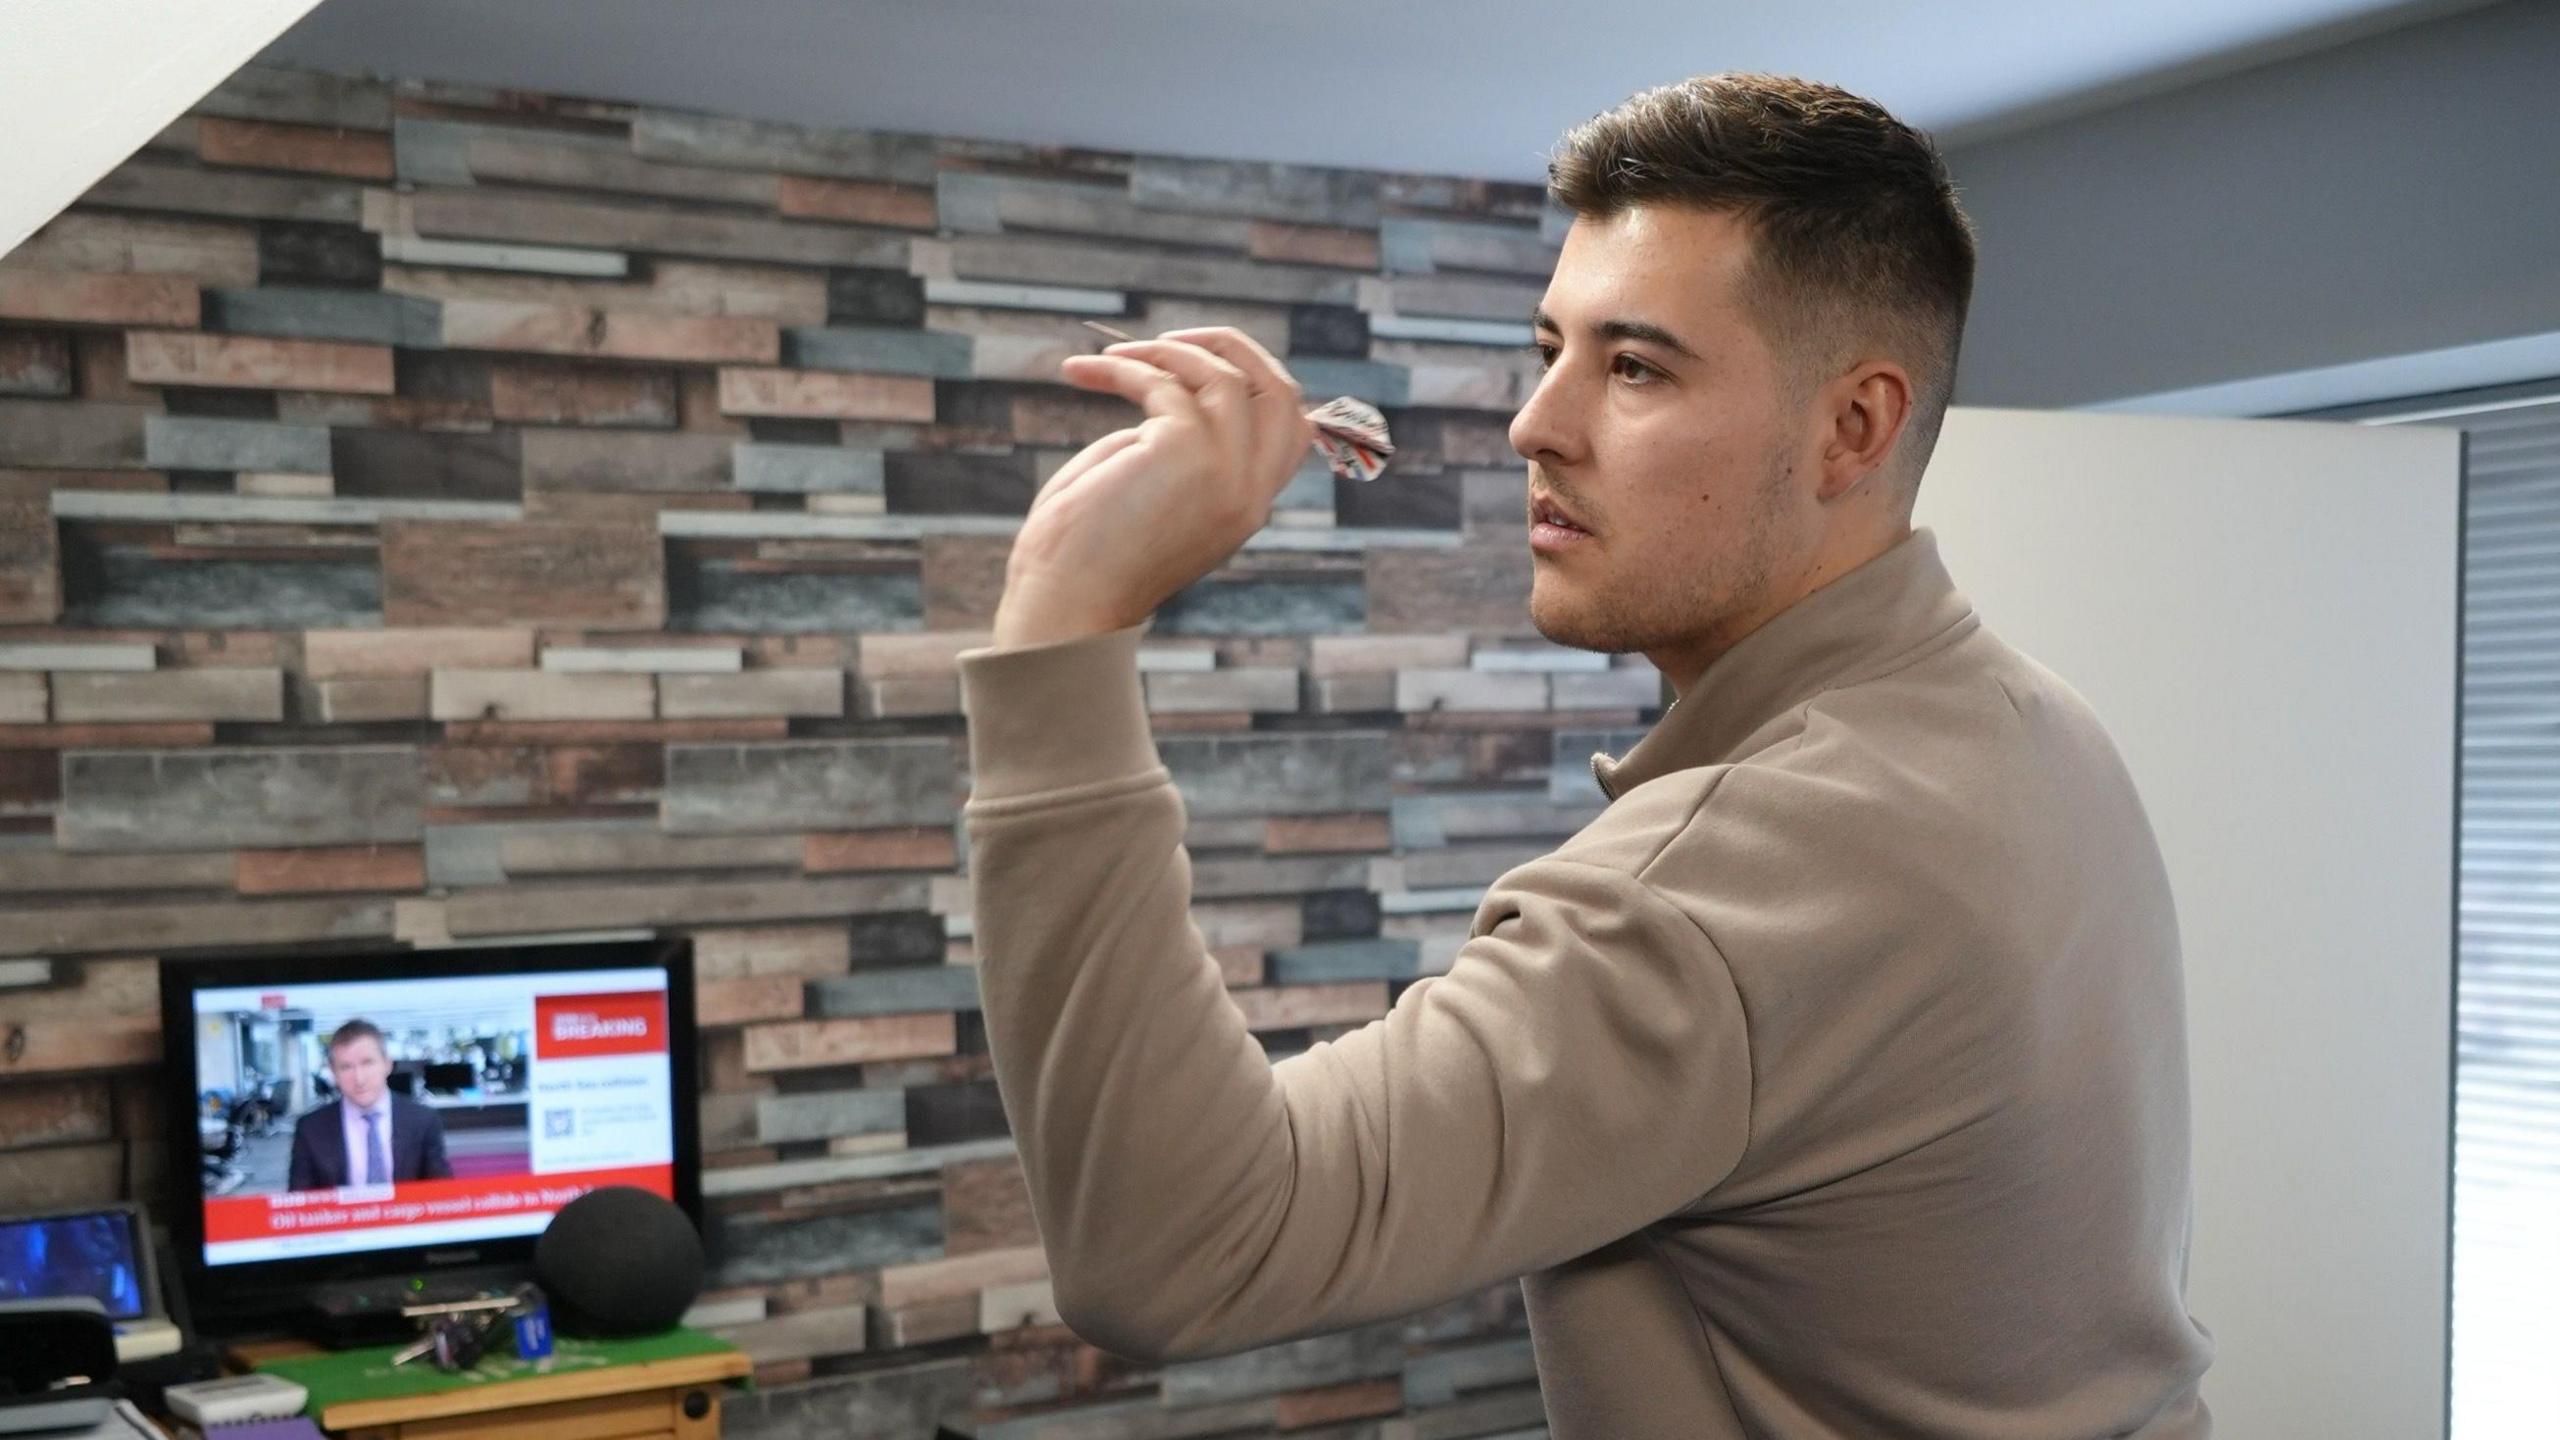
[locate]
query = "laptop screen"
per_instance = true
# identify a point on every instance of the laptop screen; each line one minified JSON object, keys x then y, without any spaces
{"x":51,"y":1256}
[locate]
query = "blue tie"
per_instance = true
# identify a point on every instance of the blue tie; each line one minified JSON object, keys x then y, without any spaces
{"x":377,"y":1161}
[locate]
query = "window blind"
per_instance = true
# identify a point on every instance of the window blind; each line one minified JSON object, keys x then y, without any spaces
{"x":2506,"y":1122}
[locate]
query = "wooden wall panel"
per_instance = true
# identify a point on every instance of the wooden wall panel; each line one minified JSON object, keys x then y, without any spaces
{"x":431,"y":514}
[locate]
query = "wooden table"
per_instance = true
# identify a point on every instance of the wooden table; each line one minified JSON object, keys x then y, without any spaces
{"x":676,"y":1398}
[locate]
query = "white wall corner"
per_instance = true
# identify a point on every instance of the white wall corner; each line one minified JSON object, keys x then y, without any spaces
{"x":83,"y":83}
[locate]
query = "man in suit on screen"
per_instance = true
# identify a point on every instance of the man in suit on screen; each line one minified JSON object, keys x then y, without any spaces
{"x":367,"y":1136}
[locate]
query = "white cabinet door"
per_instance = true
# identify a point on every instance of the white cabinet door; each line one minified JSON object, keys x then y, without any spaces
{"x":2265,"y":614}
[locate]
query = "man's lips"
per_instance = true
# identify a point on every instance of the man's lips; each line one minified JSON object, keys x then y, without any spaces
{"x":1545,"y":511}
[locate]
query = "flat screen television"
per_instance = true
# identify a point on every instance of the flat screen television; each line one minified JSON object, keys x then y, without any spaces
{"x":351,"y":1116}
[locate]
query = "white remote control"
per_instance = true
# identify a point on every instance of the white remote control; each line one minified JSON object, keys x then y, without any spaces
{"x":235,"y":1398}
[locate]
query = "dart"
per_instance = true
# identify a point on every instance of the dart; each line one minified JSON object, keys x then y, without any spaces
{"x":1350,"y":433}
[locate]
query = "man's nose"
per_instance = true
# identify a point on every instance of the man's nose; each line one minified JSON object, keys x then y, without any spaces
{"x":1544,"y":428}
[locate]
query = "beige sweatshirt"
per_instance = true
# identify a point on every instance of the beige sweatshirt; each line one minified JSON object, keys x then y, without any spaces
{"x":1832,"y":1082}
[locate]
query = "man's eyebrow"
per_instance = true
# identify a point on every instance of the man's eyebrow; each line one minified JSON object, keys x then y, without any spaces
{"x":1621,"y":330}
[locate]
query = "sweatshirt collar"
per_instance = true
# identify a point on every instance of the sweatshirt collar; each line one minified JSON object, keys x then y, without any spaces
{"x":1860,"y":625}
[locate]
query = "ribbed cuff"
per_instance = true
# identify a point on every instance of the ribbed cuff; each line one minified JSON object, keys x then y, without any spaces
{"x":1047,"y":717}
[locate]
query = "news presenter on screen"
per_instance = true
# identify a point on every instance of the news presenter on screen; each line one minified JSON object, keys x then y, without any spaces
{"x":367,"y":1136}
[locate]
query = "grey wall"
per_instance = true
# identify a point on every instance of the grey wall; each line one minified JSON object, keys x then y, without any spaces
{"x":2394,"y":195}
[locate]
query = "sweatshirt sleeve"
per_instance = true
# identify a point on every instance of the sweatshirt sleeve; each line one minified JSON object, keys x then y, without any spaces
{"x":1580,"y":1071}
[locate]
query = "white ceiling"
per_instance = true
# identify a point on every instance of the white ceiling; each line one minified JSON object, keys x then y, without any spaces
{"x":1463,"y":87}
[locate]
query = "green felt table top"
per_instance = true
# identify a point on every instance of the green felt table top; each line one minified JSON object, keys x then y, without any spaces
{"x":336,"y":1377}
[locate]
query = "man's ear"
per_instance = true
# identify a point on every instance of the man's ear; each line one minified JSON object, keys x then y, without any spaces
{"x":1866,"y":408}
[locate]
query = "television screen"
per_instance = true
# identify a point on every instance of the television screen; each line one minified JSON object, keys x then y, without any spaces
{"x":438,"y":1100}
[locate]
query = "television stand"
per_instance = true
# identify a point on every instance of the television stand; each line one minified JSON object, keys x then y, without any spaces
{"x":662,"y":1387}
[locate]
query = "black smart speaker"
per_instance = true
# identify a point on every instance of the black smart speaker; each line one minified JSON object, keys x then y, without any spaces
{"x":618,"y":1261}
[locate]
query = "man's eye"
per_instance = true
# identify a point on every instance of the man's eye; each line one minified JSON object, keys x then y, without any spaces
{"x":1546,"y":355}
{"x":1633,"y":369}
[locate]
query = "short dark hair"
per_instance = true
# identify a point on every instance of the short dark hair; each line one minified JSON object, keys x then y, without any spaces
{"x":355,"y":1030}
{"x":1857,"y":236}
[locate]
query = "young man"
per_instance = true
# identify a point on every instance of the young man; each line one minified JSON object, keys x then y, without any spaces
{"x":367,"y":1136}
{"x":1833,"y":1081}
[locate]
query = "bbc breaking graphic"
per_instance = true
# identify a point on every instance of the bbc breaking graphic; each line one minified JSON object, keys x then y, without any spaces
{"x":599,"y":1080}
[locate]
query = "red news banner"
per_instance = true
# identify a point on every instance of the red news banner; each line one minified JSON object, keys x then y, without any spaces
{"x":414,"y":1202}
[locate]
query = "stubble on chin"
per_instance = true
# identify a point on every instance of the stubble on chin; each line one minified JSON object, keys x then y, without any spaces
{"x":1605,"y":602}
{"x":1578,"y":616}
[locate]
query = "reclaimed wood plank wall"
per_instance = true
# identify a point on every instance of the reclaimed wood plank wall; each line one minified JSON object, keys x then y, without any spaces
{"x":431,"y":513}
